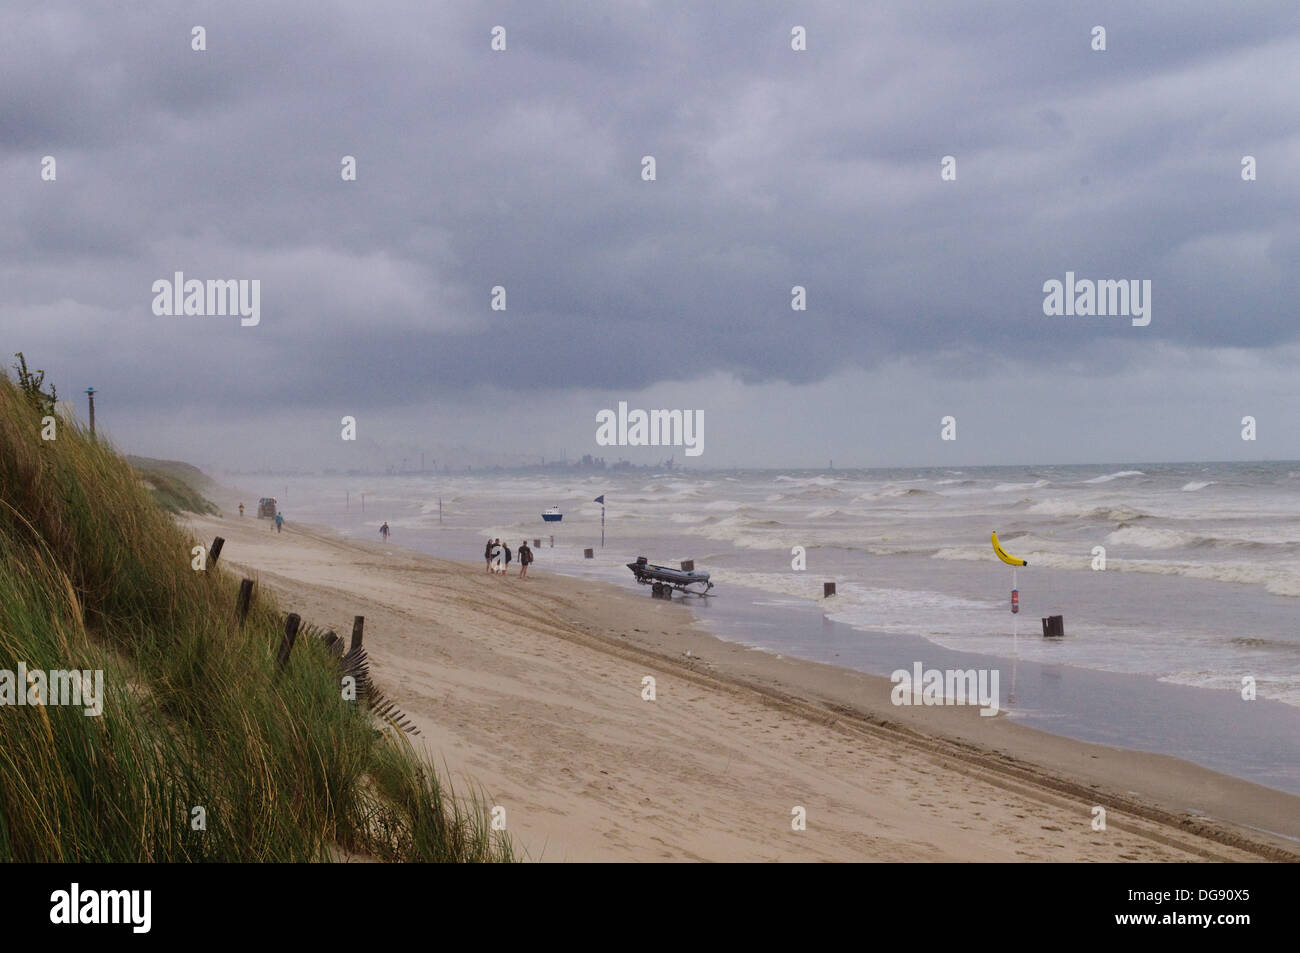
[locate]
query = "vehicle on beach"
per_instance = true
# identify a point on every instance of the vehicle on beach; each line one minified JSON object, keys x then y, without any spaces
{"x":267,"y":507}
{"x":553,"y":515}
{"x":665,"y":579}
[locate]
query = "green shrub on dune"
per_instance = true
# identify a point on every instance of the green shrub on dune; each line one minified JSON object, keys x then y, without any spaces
{"x":196,"y":725}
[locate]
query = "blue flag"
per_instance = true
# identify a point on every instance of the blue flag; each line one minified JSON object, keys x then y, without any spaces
{"x":600,"y":499}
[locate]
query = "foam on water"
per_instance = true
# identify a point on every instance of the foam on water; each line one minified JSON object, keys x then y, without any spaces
{"x":1106,"y":478}
{"x":1201,"y":580}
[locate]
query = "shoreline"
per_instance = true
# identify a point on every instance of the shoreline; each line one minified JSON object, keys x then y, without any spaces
{"x":994,"y":777}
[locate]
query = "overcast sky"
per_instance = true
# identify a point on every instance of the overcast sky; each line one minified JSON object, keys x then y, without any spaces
{"x":774,"y":168}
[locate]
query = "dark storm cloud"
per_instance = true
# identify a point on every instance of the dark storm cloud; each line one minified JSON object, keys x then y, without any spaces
{"x":522,"y":169}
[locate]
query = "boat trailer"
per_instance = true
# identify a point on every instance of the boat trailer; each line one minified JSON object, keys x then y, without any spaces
{"x":663,"y":579}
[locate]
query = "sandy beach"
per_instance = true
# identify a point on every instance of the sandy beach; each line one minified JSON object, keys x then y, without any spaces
{"x":531,"y":691}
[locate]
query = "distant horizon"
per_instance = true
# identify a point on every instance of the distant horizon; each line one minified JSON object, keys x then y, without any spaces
{"x":460,"y":470}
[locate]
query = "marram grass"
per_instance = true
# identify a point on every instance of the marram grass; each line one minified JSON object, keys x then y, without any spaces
{"x":94,"y":575}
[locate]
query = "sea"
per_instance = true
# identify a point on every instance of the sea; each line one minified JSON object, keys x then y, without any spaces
{"x":1178,"y":584}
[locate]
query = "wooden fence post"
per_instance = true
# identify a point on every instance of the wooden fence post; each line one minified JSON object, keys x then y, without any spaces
{"x":245,"y":598}
{"x":214,"y":551}
{"x":358,"y":624}
{"x":290,"y":634}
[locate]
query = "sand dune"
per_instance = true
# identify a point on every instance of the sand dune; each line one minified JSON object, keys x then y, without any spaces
{"x":532,"y":691}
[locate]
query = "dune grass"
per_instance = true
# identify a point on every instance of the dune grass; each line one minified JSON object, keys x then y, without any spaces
{"x":175,"y":486}
{"x":196,"y":724}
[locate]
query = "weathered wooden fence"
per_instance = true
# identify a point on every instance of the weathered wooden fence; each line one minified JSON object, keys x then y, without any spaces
{"x":354,"y":663}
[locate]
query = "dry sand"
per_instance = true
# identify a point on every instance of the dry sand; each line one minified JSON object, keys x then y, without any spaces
{"x":532,"y":692}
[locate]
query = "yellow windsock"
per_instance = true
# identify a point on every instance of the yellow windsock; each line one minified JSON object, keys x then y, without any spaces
{"x":1005,"y":556}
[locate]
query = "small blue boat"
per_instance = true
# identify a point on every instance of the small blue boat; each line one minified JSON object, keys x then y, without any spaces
{"x":553,"y":515}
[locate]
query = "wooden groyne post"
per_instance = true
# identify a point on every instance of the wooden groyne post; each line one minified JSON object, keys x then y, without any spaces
{"x":214,"y":551}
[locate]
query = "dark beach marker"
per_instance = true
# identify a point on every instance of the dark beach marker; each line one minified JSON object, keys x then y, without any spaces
{"x":828,"y":589}
{"x":588,"y":554}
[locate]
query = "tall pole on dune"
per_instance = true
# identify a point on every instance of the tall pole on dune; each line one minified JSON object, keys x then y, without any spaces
{"x":601,"y":500}
{"x":90,"y":392}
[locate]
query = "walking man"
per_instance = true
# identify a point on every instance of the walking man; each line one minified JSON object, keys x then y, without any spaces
{"x":525,"y":557}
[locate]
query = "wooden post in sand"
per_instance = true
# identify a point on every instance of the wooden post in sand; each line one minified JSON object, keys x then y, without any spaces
{"x":214,"y":551}
{"x":588,"y":554}
{"x":245,"y":598}
{"x":290,"y":634}
{"x":358,"y":624}
{"x":828,"y":589}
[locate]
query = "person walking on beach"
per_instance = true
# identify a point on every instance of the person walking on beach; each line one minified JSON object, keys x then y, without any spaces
{"x":487,"y":554}
{"x":241,"y":509}
{"x":525,"y":557}
{"x":507,"y":563}
{"x":279,"y":520}
{"x":383,"y":531}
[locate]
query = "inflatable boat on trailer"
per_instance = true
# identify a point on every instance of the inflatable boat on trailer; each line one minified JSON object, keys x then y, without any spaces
{"x":665,"y":579}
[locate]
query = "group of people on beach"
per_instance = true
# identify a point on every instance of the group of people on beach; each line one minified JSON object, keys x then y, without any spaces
{"x":498,"y":555}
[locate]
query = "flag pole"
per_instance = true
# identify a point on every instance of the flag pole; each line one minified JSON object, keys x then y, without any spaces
{"x":1015,"y":641}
